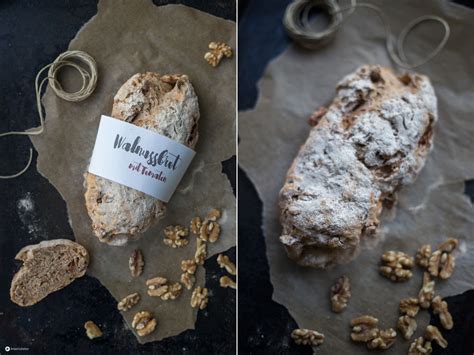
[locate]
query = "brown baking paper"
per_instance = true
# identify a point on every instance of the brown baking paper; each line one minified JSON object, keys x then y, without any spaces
{"x":128,"y":37}
{"x":298,"y":82}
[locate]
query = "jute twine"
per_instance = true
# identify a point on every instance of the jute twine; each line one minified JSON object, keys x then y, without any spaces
{"x":88,"y":72}
{"x":297,"y":23}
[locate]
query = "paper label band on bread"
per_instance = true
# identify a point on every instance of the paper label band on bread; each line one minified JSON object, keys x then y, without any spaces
{"x":139,"y":158}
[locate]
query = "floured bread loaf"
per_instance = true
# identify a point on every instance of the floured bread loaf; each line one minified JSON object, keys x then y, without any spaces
{"x":164,"y":104}
{"x":372,"y":140}
{"x":47,"y":267}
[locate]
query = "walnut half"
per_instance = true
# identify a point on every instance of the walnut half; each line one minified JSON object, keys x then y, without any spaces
{"x":159,"y":287}
{"x":307,"y":337}
{"x":224,"y":262}
{"x":128,"y":302}
{"x":427,"y":291}
{"x":409,"y":306}
{"x":364,"y":328}
{"x":144,"y":323}
{"x":175,"y":236}
{"x":433,"y":333}
{"x":226,"y":281}
{"x":396,"y":266}
{"x":441,"y":307}
{"x":420,"y":346}
{"x":92,"y":330}
{"x":407,"y":326}
{"x":136,"y":263}
{"x":199,"y":298}
{"x":340,"y":294}
{"x":218,"y":50}
{"x":384,"y":339}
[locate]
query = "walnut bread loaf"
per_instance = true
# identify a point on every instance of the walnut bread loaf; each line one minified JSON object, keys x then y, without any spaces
{"x":373,"y":139}
{"x":47,"y":267}
{"x":166,"y":105}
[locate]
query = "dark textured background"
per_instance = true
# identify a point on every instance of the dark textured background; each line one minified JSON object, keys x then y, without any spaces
{"x":264,"y":325}
{"x":32,"y":34}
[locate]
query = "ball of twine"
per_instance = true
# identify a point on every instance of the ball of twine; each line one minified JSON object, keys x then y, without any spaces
{"x":87,"y":68}
{"x":297,"y":24}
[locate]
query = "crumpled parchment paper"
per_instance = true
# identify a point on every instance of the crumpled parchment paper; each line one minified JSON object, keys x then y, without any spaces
{"x":127,"y":37}
{"x":298,"y":82}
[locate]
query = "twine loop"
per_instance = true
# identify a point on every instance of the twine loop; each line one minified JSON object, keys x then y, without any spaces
{"x":297,"y":23}
{"x":89,"y":77}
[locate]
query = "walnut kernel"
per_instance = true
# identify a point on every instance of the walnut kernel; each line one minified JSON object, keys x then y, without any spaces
{"x":175,"y":236}
{"x":441,"y":307}
{"x":188,"y":280}
{"x":157,"y":286}
{"x":128,"y":302}
{"x":199,"y":298}
{"x":427,"y":291}
{"x":201,"y":252}
{"x":423,"y":255}
{"x":396,"y":265}
{"x":340,"y":294}
{"x":407,"y":326}
{"x":210,"y":231}
{"x":420,"y":347}
{"x":195,"y":225}
{"x":307,"y":337}
{"x":92,"y":330}
{"x":226,"y":281}
{"x":144,"y":323}
{"x":224,"y":262}
{"x":364,"y":328}
{"x":218,"y":50}
{"x":189,"y":266}
{"x":409,"y":306}
{"x":136,"y":263}
{"x":433,"y":333}
{"x":383,"y":340}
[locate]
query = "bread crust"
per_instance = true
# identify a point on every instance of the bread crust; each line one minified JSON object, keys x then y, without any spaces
{"x":35,"y":280}
{"x":372,"y":140}
{"x":166,"y":105}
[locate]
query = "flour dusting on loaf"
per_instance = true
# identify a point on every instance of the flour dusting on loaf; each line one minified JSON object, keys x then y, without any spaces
{"x":372,"y":140}
{"x":166,"y":105}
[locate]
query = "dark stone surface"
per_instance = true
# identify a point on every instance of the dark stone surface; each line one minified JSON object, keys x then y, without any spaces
{"x":32,"y":34}
{"x":264,"y":325}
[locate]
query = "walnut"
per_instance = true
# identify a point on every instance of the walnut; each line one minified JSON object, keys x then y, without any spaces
{"x":213,"y":215}
{"x":307,"y":337}
{"x":189,"y":266}
{"x":188,"y":280}
{"x":144,"y":323}
{"x":92,"y":330}
{"x":427,"y":291}
{"x":407,"y":326}
{"x":396,"y":266}
{"x":218,"y":50}
{"x":442,"y":262}
{"x":210,"y":231}
{"x":364,"y":328}
{"x":340,"y":294}
{"x":128,"y":302}
{"x":199,"y":298}
{"x":433,"y":333}
{"x":449,"y":245}
{"x":159,"y":287}
{"x":420,"y":347}
{"x":441,"y":307}
{"x":423,"y":255}
{"x":226,"y":281}
{"x":175,"y":236}
{"x":195,"y":225}
{"x":201,"y":252}
{"x":174,"y":290}
{"x":409,"y":306}
{"x":136,"y":263}
{"x":383,"y":340}
{"x":224,"y":262}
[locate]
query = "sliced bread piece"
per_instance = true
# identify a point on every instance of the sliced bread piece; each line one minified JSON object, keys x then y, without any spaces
{"x":47,"y":267}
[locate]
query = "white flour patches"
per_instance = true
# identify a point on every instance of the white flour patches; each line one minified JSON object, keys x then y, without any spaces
{"x":26,"y":212}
